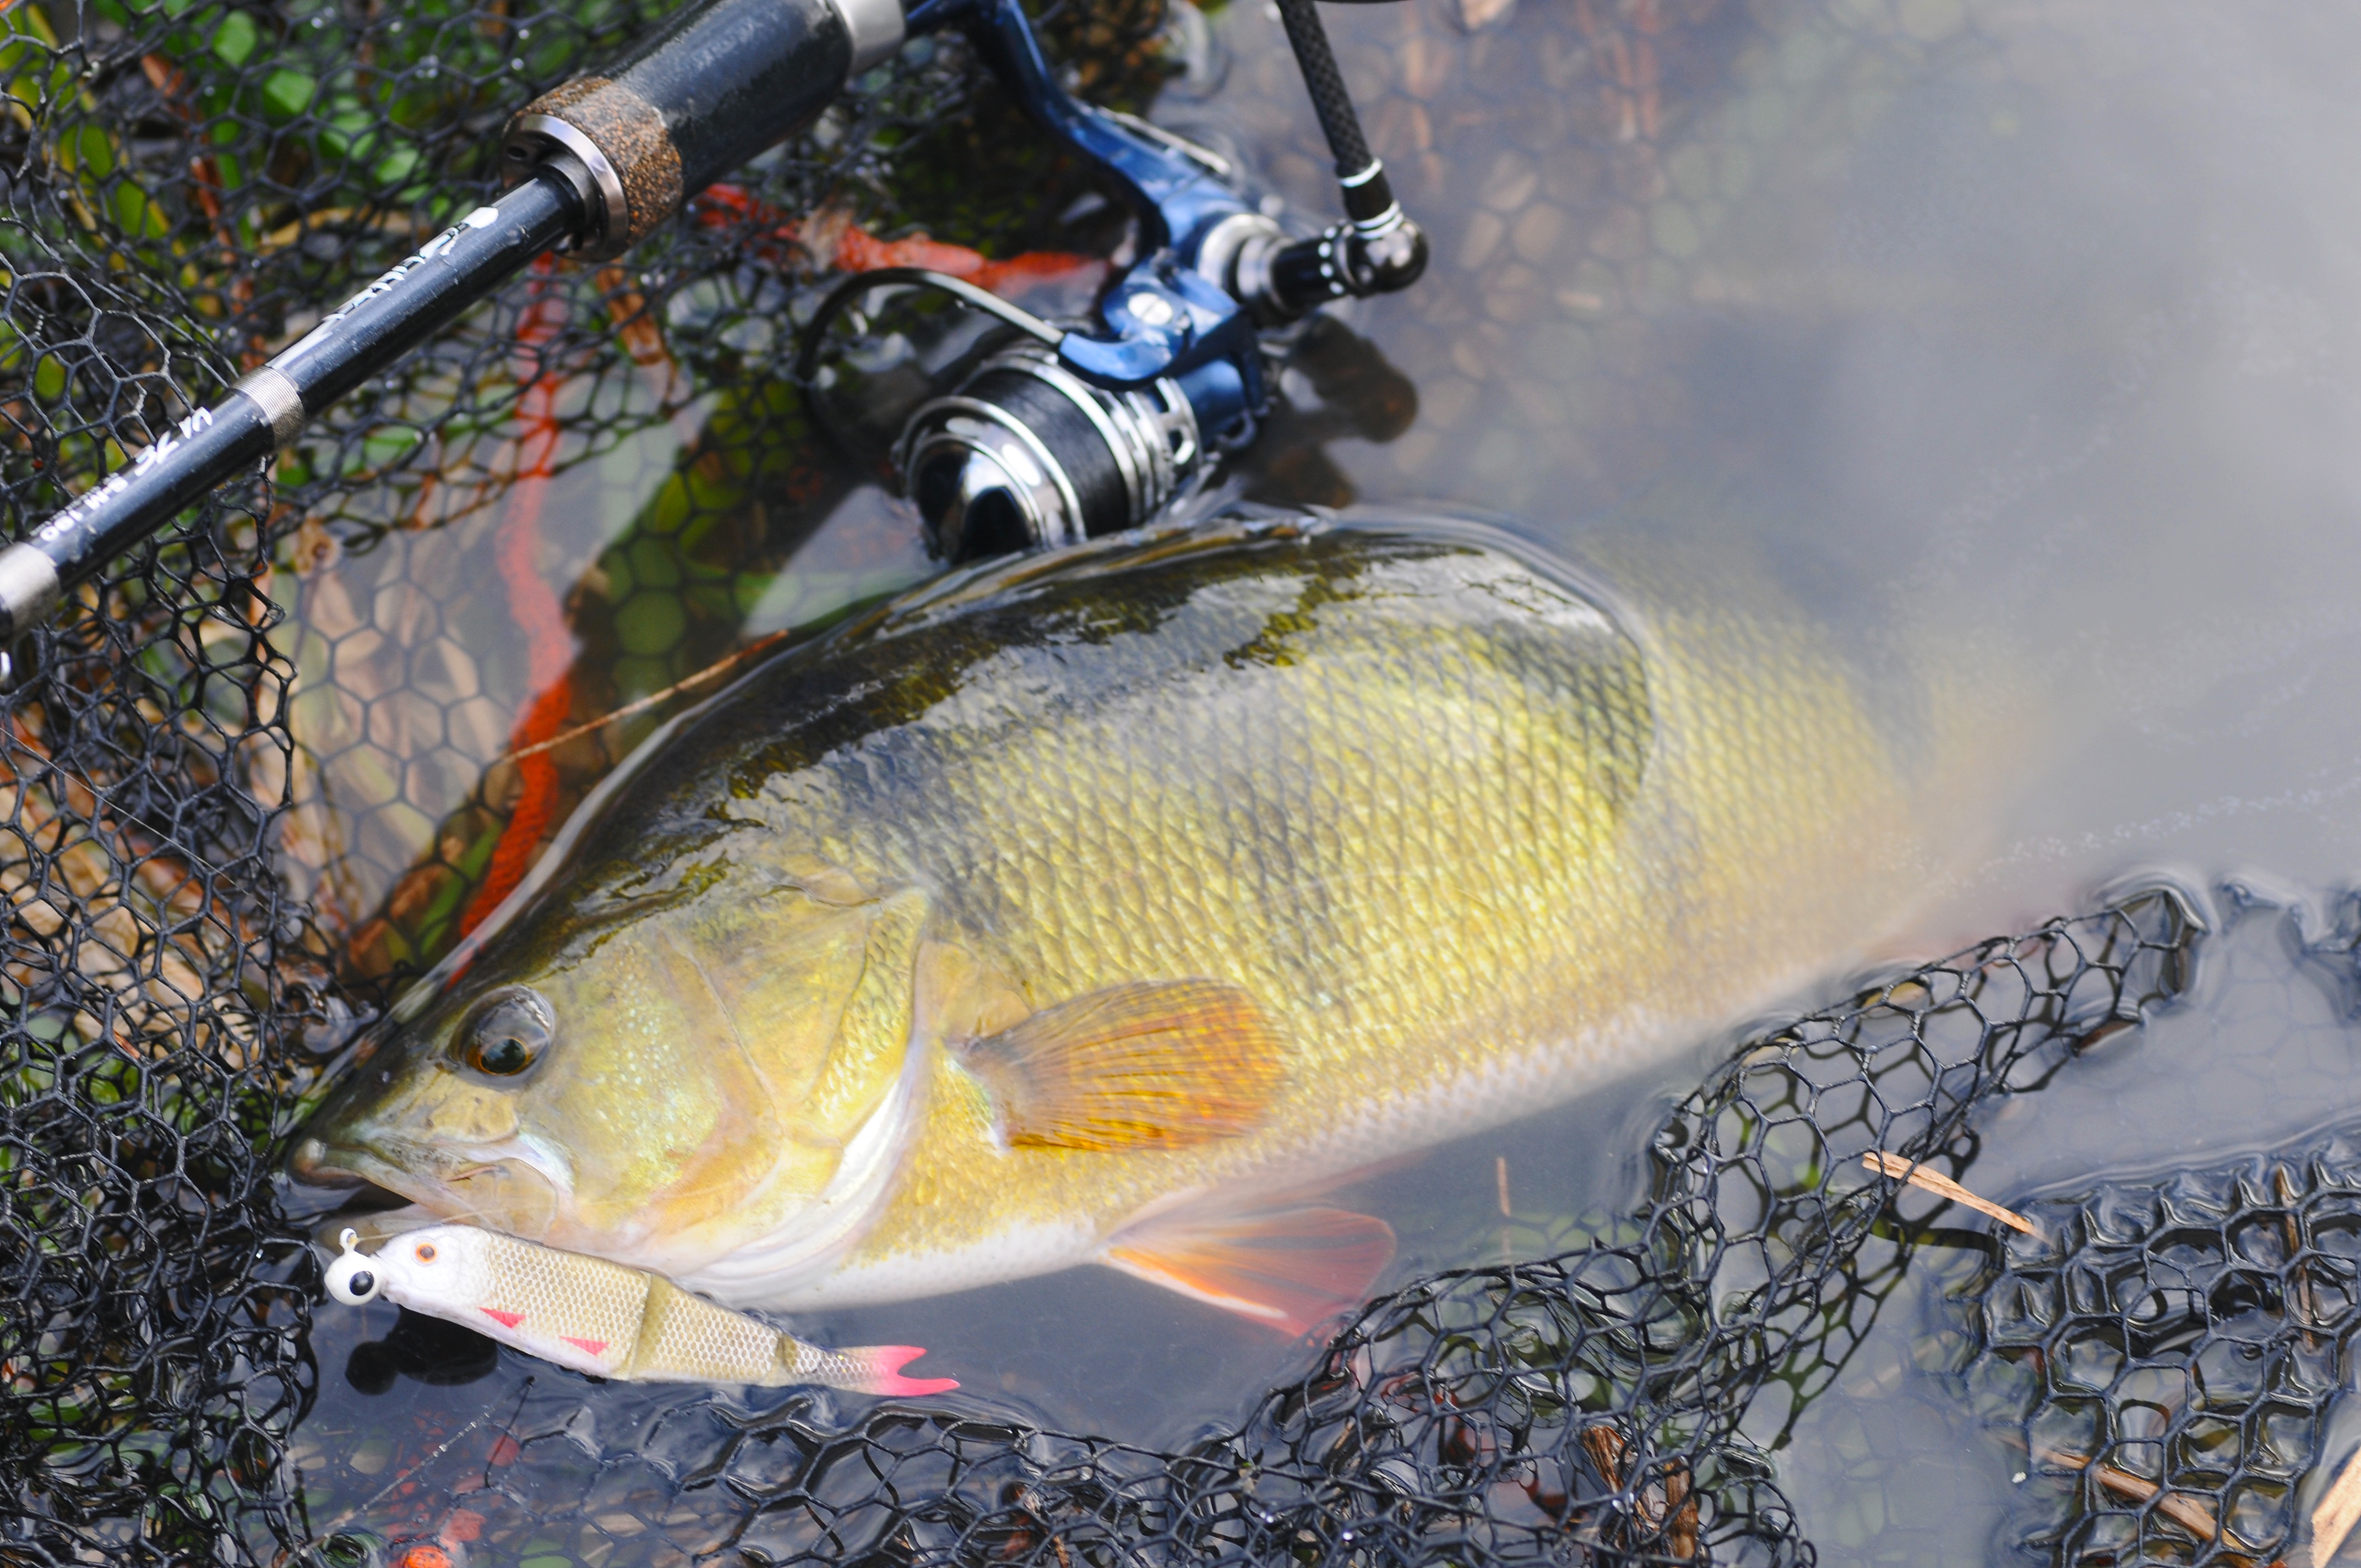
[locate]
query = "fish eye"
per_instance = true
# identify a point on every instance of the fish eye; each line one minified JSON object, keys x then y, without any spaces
{"x":506,"y":1033}
{"x":425,"y":1252}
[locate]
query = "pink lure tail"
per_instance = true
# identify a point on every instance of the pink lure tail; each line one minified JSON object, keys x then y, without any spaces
{"x":877,"y":1369}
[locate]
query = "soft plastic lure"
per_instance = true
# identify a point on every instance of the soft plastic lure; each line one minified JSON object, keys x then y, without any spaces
{"x":600,"y":1317}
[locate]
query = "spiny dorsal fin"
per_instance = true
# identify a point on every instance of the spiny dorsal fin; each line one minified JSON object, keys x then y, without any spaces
{"x":1159,"y":1063}
{"x":1289,"y":1267}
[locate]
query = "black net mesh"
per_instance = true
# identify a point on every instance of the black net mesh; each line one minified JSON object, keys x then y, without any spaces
{"x":182,"y":186}
{"x":2163,"y":1359}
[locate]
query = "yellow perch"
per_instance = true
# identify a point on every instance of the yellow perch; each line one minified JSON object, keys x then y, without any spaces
{"x":1103,"y":907}
{"x":601,"y":1318}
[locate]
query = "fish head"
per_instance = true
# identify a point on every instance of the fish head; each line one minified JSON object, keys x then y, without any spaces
{"x":660,"y":1085}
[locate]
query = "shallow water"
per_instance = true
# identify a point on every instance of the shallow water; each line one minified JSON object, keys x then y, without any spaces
{"x":2015,"y":334}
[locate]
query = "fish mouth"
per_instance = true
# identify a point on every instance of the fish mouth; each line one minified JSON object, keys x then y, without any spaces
{"x":316,"y":1163}
{"x":312,"y":1163}
{"x":339,"y":1193}
{"x":500,"y":1191}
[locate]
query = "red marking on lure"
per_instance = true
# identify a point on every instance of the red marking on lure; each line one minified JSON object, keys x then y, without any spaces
{"x":887,"y":1361}
{"x":594,"y":1347}
{"x":506,"y":1320}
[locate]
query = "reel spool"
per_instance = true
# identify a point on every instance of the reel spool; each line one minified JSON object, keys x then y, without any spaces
{"x":1025,"y":456}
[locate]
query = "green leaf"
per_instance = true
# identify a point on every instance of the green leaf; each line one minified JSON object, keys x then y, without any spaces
{"x":399,"y":165}
{"x":287,"y":94}
{"x":87,"y":150}
{"x":650,"y":623}
{"x":386,"y":444}
{"x":131,"y":209}
{"x":235,"y":39}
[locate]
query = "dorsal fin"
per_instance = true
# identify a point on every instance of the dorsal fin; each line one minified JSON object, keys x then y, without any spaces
{"x":1155,"y":1063}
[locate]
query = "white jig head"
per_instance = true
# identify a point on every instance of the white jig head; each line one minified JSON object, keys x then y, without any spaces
{"x":351,"y":1277}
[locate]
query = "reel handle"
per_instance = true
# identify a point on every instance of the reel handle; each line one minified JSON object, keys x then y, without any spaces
{"x":1377,"y":249}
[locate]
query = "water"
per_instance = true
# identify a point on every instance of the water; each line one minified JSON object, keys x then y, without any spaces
{"x":2021,"y":330}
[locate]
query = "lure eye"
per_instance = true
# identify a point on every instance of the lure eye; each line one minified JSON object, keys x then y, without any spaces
{"x":425,"y":1252}
{"x":506,"y":1033}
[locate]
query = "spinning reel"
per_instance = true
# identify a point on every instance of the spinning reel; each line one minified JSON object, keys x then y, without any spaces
{"x":1062,"y":432}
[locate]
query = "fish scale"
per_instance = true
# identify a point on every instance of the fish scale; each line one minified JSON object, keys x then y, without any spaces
{"x":1423,"y":999}
{"x":1452,"y":823}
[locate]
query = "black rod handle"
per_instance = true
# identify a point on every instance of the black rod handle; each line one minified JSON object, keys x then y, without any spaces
{"x":408,"y":304}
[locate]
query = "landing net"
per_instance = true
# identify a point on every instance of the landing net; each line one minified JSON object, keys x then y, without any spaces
{"x":211,"y":817}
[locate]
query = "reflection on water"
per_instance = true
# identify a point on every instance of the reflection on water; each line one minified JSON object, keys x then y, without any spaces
{"x":2019,"y":328}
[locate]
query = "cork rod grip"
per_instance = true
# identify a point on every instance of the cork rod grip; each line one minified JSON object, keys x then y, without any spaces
{"x":702,"y":94}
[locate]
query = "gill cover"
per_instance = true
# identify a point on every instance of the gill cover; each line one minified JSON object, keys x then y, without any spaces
{"x":651,"y":1081}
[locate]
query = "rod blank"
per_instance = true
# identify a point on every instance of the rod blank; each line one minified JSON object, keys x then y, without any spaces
{"x":409,"y":303}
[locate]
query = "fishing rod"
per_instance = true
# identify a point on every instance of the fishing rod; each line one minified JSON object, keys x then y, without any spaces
{"x":1076,"y":430}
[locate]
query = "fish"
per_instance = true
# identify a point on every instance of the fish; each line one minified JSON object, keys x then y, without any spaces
{"x":601,"y":1318}
{"x":1112,"y":906}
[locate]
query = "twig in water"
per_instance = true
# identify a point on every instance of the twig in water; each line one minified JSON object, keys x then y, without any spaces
{"x":1680,"y":1513}
{"x":1881,"y":1163}
{"x":2190,"y":1514}
{"x":2338,"y":1512}
{"x":1606,"y":1450}
{"x":2307,"y":1305}
{"x":1670,"y":1508}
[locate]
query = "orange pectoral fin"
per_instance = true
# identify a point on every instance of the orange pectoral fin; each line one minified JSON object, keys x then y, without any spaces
{"x":1290,"y":1267}
{"x":1162,"y":1063}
